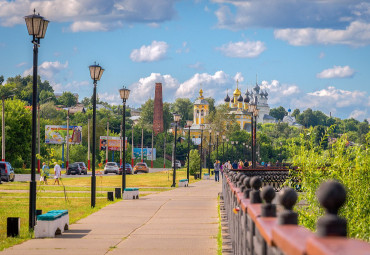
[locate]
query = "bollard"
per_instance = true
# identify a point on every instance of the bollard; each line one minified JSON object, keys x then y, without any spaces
{"x":288,"y":198}
{"x":118,"y":193}
{"x":13,"y":226}
{"x":110,"y":196}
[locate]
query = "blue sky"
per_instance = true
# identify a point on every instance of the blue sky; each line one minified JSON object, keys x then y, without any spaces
{"x":305,"y":53}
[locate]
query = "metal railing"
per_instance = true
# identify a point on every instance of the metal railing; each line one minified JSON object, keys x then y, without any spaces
{"x":256,"y":228}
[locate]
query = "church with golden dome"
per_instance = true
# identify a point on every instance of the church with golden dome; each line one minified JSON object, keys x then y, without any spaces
{"x":238,"y":106}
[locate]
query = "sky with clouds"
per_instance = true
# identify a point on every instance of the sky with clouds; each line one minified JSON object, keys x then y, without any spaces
{"x":306,"y":54}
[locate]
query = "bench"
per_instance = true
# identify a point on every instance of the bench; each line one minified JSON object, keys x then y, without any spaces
{"x":52,"y":223}
{"x":206,"y":177}
{"x":131,"y":193}
{"x":184,"y":183}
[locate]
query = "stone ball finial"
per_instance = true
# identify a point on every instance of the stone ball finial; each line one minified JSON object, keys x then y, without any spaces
{"x":288,"y":198}
{"x":241,"y":182}
{"x":256,"y":183}
{"x":331,"y":196}
{"x":268,"y":194}
{"x":247,"y":186}
{"x":255,"y":194}
{"x":268,"y":209}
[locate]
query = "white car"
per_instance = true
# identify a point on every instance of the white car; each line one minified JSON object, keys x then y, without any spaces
{"x":111,"y":167}
{"x":178,"y":164}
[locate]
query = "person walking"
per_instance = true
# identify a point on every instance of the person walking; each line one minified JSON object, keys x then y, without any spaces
{"x":57,"y":172}
{"x":45,"y":171}
{"x":235,"y":165}
{"x":246,"y":164}
{"x":217,"y":170}
{"x":240,"y":164}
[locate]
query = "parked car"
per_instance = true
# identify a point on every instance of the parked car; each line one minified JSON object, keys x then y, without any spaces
{"x":111,"y":167}
{"x":141,"y":167}
{"x":74,"y":168}
{"x":178,"y":164}
{"x":83,"y":167}
{"x":6,"y":172}
{"x":128,"y":169}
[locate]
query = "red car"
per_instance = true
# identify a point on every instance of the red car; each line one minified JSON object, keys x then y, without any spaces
{"x":128,"y":169}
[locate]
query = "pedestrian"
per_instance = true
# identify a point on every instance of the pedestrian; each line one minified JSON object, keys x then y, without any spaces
{"x":246,"y":164}
{"x":217,"y":170}
{"x":240,"y":164}
{"x":45,"y":171}
{"x":235,"y":165}
{"x":57,"y":172}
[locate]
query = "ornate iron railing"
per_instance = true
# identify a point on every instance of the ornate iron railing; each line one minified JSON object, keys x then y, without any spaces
{"x":256,"y":228}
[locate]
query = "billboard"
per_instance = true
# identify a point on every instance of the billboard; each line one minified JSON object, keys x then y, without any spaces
{"x":147,"y":153}
{"x":57,"y":134}
{"x":113,"y":143}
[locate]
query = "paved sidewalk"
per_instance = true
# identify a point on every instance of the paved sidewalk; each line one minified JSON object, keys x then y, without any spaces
{"x":180,"y":221}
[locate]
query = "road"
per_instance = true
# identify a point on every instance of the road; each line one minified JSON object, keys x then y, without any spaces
{"x":27,"y":177}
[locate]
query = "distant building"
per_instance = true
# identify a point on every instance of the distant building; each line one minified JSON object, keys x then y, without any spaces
{"x":290,"y":120}
{"x":238,"y":106}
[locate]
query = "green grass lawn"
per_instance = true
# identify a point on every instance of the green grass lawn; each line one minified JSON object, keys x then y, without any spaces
{"x":52,"y":197}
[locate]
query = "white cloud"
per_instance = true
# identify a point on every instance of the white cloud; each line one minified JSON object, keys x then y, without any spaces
{"x":358,"y":114}
{"x":211,"y":84}
{"x":109,"y":13}
{"x":74,"y":86}
{"x":279,"y":93}
{"x":356,"y":34}
{"x":113,"y":99}
{"x":336,"y":72}
{"x":47,"y":70}
{"x":184,"y":48}
{"x":21,"y":64}
{"x":154,"y":52}
{"x":333,"y":100}
{"x":144,"y":88}
{"x":246,"y":49}
{"x":87,"y":26}
{"x":197,"y":66}
{"x":239,"y":77}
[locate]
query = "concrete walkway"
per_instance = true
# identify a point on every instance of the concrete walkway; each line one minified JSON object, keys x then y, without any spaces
{"x":180,"y":221}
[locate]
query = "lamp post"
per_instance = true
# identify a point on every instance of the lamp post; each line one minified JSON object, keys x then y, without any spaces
{"x":176,"y":118}
{"x":254,"y":112}
{"x":244,"y":151}
{"x":36,"y":26}
{"x":232,"y":149}
{"x":236,"y":149}
{"x":217,"y":134}
{"x":95,"y":72}
{"x":188,"y":123}
{"x":124,"y":93}
{"x":227,"y":149}
{"x":209,"y":151}
{"x":201,"y":148}
{"x":223,"y":148}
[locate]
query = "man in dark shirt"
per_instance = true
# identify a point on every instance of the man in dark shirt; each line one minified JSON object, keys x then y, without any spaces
{"x":246,"y":164}
{"x":235,"y":165}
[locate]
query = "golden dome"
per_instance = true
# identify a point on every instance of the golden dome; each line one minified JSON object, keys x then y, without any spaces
{"x":201,"y":94}
{"x":237,"y":92}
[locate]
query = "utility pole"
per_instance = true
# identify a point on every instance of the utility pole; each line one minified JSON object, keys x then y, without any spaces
{"x":67,"y":161}
{"x":142,"y":144}
{"x":3,"y":131}
{"x":151,"y":163}
{"x":88,"y":143}
{"x":132,"y":146}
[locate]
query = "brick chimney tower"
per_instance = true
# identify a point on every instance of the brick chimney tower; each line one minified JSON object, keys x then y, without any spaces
{"x":158,"y":110}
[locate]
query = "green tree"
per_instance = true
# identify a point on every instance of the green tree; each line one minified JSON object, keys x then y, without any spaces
{"x":67,"y":99}
{"x":296,"y":113}
{"x":17,"y":132}
{"x":211,"y":104}
{"x":278,"y":113}
{"x":46,"y":96}
{"x":184,"y":107}
{"x":194,"y":162}
{"x":146,"y":115}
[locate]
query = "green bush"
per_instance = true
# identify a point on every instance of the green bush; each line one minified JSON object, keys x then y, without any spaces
{"x":194,"y":162}
{"x":350,"y":165}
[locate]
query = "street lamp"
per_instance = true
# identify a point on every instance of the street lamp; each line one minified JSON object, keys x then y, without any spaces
{"x":176,"y":118}
{"x":217,"y":134}
{"x":232,"y":149}
{"x":201,"y":148}
{"x":188,"y":123}
{"x":254,"y":113}
{"x":243,"y":151}
{"x":209,"y":151}
{"x":95,"y":72}
{"x":36,"y":26}
{"x":227,"y":148}
{"x":124,"y":93}
{"x":223,"y":148}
